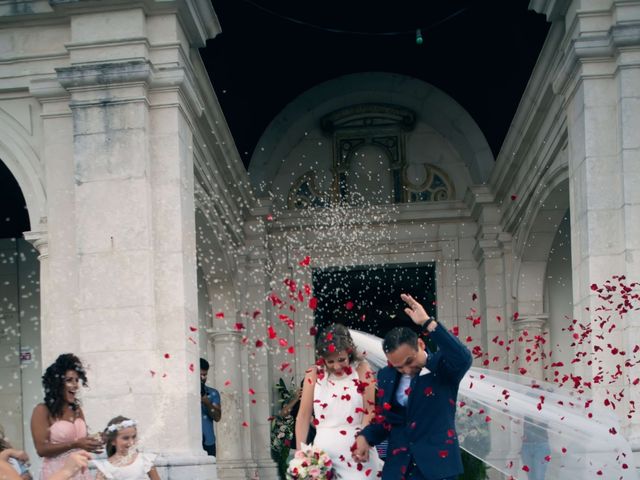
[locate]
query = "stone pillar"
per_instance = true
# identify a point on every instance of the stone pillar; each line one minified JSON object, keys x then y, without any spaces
{"x":131,"y":223}
{"x":489,"y":253}
{"x":58,"y":270}
{"x":40,"y":242}
{"x":31,"y":373}
{"x":492,"y":291}
{"x":530,"y":345}
{"x":599,"y":79}
{"x":256,"y":285}
{"x":233,"y":459}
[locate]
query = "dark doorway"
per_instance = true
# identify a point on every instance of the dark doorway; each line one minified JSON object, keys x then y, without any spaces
{"x":14,"y":218}
{"x":368,"y":298}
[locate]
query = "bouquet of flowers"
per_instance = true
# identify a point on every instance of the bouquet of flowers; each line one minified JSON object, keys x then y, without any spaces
{"x":310,"y":463}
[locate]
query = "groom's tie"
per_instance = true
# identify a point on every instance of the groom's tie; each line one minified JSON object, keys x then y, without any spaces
{"x":404,"y":387}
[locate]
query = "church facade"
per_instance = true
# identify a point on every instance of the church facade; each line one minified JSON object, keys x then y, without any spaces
{"x":150,"y":244}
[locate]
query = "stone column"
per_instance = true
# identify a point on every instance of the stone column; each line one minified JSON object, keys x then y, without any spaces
{"x":233,"y":459}
{"x":489,"y":253}
{"x":492,"y":291}
{"x":599,"y":79}
{"x":135,"y":252}
{"x":40,"y":242}
{"x":58,"y":270}
{"x":256,"y":285}
{"x":133,"y":228}
{"x":530,"y":345}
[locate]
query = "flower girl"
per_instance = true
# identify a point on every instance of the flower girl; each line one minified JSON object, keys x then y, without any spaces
{"x":124,"y":462}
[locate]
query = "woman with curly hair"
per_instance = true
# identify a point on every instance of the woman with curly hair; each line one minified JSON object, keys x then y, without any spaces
{"x":339,"y":391}
{"x":58,"y":427}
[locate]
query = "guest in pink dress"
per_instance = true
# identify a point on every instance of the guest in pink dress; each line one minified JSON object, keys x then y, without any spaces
{"x":58,"y":427}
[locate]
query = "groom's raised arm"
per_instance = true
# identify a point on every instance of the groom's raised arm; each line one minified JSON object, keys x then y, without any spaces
{"x":454,"y":358}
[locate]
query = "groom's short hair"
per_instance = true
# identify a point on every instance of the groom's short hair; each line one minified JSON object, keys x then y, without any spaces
{"x":398,"y":336}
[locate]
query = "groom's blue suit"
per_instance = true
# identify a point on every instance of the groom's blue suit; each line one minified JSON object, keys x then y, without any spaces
{"x":422,"y":438}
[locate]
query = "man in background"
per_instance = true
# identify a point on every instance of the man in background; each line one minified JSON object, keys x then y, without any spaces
{"x":211,"y":410}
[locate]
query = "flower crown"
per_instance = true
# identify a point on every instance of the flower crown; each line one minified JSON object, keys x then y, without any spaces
{"x":116,"y":427}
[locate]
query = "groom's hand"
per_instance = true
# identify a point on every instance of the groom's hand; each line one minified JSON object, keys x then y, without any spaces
{"x":361,"y":452}
{"x":416,"y":312}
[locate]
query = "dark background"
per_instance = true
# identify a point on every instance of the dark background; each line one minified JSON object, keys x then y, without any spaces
{"x":375,"y":294}
{"x":481,"y":53}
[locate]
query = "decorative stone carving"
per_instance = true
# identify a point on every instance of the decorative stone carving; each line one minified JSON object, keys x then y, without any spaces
{"x":369,"y":163}
{"x":304,"y":193}
{"x":434,"y":186}
{"x":369,"y":116}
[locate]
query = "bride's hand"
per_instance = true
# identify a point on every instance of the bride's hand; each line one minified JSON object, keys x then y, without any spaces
{"x":361,"y":452}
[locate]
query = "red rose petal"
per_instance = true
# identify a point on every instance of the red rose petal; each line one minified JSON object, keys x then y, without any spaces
{"x":313,"y":303}
{"x":271,"y":332}
{"x":305,"y":261}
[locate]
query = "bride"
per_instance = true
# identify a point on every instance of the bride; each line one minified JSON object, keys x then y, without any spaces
{"x":340,"y":393}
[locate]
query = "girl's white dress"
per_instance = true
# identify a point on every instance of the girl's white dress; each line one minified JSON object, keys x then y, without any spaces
{"x":337,"y":407}
{"x":136,"y":470}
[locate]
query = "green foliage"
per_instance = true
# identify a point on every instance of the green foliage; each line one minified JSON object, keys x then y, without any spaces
{"x":474,"y":469}
{"x":282,"y":428}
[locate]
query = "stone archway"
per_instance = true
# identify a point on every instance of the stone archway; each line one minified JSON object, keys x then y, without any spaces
{"x":540,"y":251}
{"x":433,"y":107}
{"x":19,"y":156}
{"x":20,"y":364}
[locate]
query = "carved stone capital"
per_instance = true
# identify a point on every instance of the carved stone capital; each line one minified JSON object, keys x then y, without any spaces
{"x":534,"y":323}
{"x":223,"y":336}
{"x":82,"y":76}
{"x":40,"y":241}
{"x":595,"y":49}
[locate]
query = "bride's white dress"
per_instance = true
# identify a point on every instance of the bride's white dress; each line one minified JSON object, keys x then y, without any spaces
{"x":338,"y":408}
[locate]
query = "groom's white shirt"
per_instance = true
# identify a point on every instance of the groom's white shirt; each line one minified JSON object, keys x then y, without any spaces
{"x":405,"y":381}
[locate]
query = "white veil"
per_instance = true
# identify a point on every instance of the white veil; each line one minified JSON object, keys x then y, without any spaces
{"x":530,"y":430}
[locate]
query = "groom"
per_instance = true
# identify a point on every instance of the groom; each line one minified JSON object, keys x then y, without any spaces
{"x":417,"y":395}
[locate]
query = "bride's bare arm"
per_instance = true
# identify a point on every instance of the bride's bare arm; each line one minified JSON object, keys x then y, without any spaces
{"x":306,"y":407}
{"x":368,"y":380}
